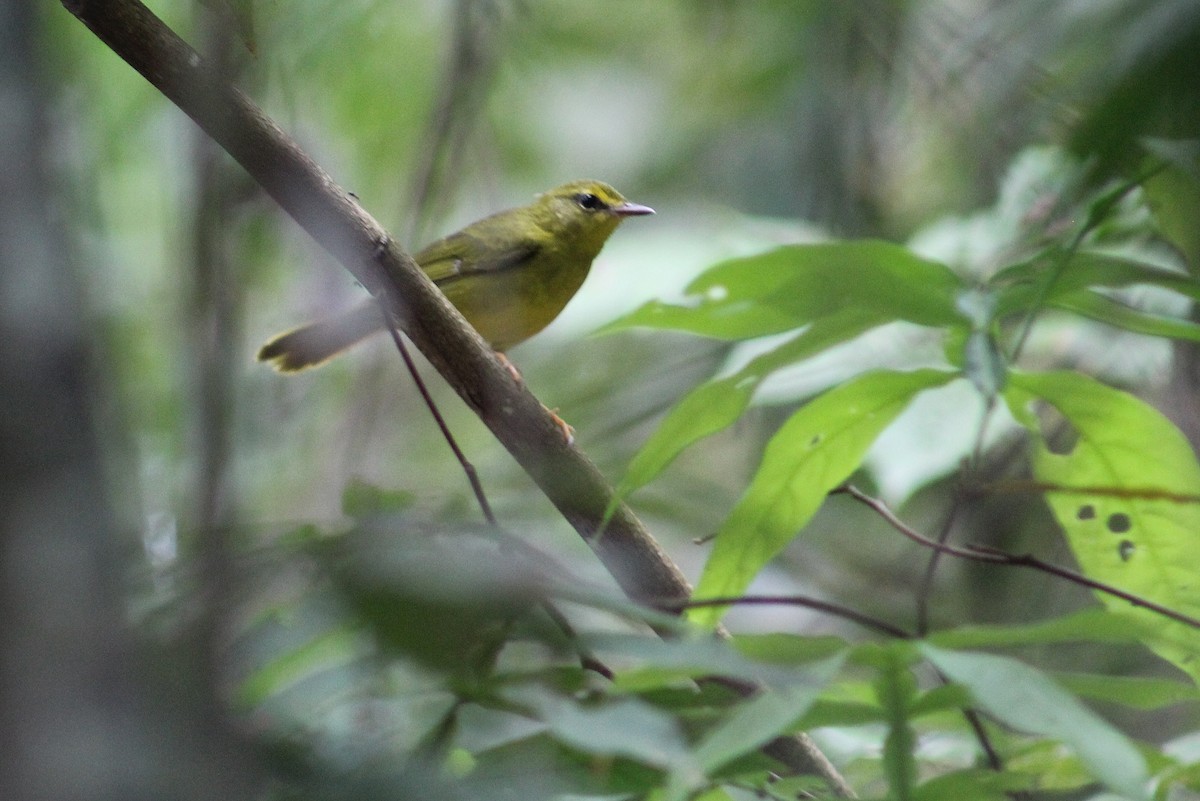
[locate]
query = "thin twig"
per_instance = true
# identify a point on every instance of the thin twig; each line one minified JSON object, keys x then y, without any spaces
{"x":468,"y":468}
{"x":981,"y":553}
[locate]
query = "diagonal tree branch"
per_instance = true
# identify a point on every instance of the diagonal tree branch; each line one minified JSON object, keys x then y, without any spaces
{"x":336,"y":221}
{"x":644,"y":571}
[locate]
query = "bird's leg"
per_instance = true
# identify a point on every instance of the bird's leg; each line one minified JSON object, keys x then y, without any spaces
{"x":567,"y":431}
{"x":507,"y":364}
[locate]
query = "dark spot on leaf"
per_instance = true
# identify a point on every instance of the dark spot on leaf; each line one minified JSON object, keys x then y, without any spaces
{"x":1086,"y":512}
{"x":815,"y":441}
{"x":1119,"y":523}
{"x":1125,"y":550}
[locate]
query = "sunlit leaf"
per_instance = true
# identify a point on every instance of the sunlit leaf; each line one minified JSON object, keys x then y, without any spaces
{"x":792,"y":286}
{"x":813,"y":452}
{"x":717,"y":404}
{"x":1028,"y":700}
{"x":1127,"y":494}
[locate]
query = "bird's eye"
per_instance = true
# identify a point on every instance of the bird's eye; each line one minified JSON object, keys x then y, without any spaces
{"x":589,"y":201}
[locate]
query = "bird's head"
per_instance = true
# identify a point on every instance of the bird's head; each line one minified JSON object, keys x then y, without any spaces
{"x":583,"y":214}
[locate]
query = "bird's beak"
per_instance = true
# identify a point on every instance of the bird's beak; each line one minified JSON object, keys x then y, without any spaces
{"x":628,"y":209}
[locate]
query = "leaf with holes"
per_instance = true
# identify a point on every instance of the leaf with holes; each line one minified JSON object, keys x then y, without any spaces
{"x":813,"y":452}
{"x":1127,"y":494}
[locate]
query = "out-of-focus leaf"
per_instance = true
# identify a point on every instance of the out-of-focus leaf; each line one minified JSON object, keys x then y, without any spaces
{"x":896,"y":689}
{"x":442,"y":595}
{"x":1028,"y":700}
{"x":651,"y":662}
{"x":1139,"y":692}
{"x":983,"y":364}
{"x":1018,"y":286}
{"x":791,"y":286}
{"x":1173,"y":196}
{"x":543,"y":766}
{"x":361,"y":499}
{"x":718,"y":403}
{"x":813,"y":452}
{"x":1128,"y":497}
{"x":840,"y":713}
{"x":1089,"y":625}
{"x":787,"y":649}
{"x":764,"y":716}
{"x":624,"y":727}
{"x":331,"y":649}
{"x":1106,"y":310}
{"x":977,"y":784}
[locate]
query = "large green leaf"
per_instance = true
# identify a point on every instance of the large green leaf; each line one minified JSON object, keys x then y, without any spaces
{"x":791,"y":286}
{"x":1127,"y":494}
{"x":716,"y":404}
{"x":1026,"y":699}
{"x":813,"y":452}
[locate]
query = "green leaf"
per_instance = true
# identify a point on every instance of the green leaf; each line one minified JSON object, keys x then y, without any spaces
{"x":1018,"y":286}
{"x":1107,"y":310}
{"x":896,"y":689}
{"x":334,"y":648}
{"x":813,"y":452}
{"x":1139,"y":692}
{"x":1173,"y":196}
{"x":1127,"y":496}
{"x":794,"y":285}
{"x":717,"y":404}
{"x":1026,"y":699}
{"x":976,"y":784}
{"x":841,"y":713}
{"x":787,"y":649}
{"x":623,"y":727}
{"x":650,"y":662}
{"x":361,"y":499}
{"x":1088,"y":625}
{"x":764,"y":716}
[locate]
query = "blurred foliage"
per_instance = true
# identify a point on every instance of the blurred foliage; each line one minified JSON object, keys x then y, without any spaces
{"x":377,"y":641}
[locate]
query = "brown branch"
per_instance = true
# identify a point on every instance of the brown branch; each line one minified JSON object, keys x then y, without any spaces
{"x":336,"y":221}
{"x":981,"y":553}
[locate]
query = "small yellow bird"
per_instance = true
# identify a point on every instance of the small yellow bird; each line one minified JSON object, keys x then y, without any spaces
{"x":509,"y":274}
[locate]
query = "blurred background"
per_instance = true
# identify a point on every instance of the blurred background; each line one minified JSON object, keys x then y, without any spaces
{"x":170,"y":475}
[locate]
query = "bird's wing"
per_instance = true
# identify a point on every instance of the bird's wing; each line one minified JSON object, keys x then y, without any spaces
{"x":461,"y":255}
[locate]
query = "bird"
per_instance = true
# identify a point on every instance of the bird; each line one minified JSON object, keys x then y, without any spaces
{"x":509,"y":274}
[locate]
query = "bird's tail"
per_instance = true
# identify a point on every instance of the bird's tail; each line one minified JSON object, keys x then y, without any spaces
{"x":315,"y":343}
